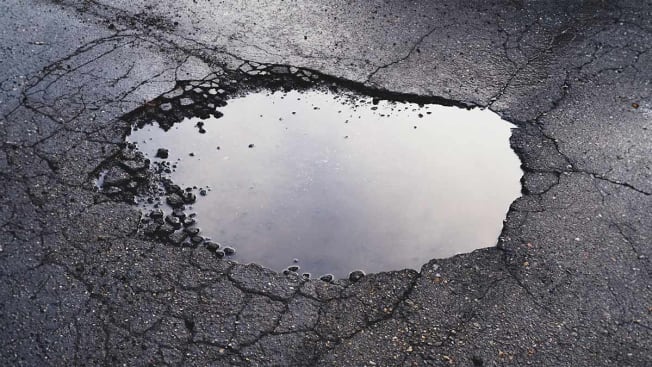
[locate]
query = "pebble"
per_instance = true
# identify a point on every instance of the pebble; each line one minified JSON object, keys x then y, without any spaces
{"x":219,"y":253}
{"x":135,"y":165}
{"x":177,"y":238}
{"x":229,"y":251}
{"x":356,"y":275}
{"x":162,"y":153}
{"x":327,"y":278}
{"x":173,"y":189}
{"x":179,"y":214}
{"x":197,"y":239}
{"x":193,"y":231}
{"x":251,"y":145}
{"x":294,"y":268}
{"x":186,"y":101}
{"x":189,"y":198}
{"x":212,"y":246}
{"x":173,"y":221}
{"x":175,"y":201}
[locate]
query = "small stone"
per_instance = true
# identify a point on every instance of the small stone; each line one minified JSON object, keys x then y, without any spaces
{"x":219,"y":253}
{"x":212,"y":246}
{"x":294,"y":268}
{"x":116,"y":176}
{"x":173,"y":221}
{"x":186,"y":101}
{"x":202,"y":192}
{"x":173,"y":189}
{"x":327,"y":278}
{"x":306,"y":275}
{"x":175,"y":201}
{"x":134,"y":166}
{"x":177,"y":238}
{"x":189,"y":198}
{"x":251,"y":145}
{"x":635,"y":105}
{"x":187,"y":222}
{"x":179,"y":214}
{"x":229,"y":251}
{"x":197,"y":239}
{"x":193,"y":231}
{"x":162,"y":153}
{"x":356,"y":275}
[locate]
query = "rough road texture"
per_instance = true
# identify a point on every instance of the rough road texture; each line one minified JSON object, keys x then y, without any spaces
{"x":569,"y":283}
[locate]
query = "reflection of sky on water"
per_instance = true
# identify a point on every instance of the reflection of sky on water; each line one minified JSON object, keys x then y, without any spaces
{"x":375,"y":193}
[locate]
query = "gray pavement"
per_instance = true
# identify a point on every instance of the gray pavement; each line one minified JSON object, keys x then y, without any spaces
{"x":568,"y":284}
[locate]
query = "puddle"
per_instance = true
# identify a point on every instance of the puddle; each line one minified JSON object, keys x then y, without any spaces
{"x":335,"y":184}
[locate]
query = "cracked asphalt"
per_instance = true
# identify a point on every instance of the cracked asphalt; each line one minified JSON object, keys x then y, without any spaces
{"x":568,"y":284}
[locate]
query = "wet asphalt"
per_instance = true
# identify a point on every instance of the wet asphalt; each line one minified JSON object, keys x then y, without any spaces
{"x":567,"y":284}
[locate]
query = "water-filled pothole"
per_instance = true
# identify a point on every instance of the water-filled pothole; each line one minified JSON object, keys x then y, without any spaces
{"x":343,"y":183}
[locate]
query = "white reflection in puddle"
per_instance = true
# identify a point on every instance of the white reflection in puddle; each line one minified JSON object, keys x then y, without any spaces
{"x":342,"y":187}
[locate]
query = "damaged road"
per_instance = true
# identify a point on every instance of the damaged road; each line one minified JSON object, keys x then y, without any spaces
{"x":568,"y":283}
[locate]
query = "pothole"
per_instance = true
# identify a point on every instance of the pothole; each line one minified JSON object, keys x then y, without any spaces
{"x":320,"y":182}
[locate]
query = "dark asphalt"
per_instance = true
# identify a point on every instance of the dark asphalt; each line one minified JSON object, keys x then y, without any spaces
{"x":569,"y":283}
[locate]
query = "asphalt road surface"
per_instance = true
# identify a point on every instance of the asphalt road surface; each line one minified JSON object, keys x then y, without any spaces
{"x":568,"y":284}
